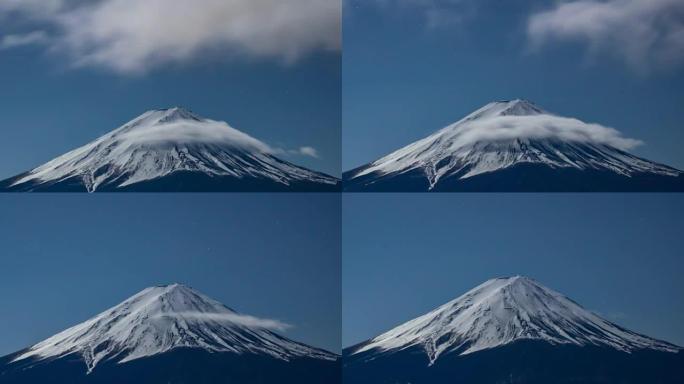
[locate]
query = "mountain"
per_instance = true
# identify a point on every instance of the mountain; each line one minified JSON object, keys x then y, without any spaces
{"x":510,"y":146}
{"x":171,"y":150}
{"x":512,"y":330}
{"x":169,"y":334}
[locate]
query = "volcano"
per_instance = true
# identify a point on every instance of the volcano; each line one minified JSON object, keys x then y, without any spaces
{"x":512,"y":330}
{"x":171,"y":150}
{"x":515,"y":146}
{"x":169,"y":334}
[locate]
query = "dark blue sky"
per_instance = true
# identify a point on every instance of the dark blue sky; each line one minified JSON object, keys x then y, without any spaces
{"x":412,"y":67}
{"x":616,"y":254}
{"x":49,"y":107}
{"x":66,"y":258}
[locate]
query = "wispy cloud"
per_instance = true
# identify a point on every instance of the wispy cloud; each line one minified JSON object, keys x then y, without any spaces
{"x":30,"y":8}
{"x":239,"y":319}
{"x":132,"y":36}
{"x":436,"y":13}
{"x":645,"y":34}
{"x":31,"y":38}
{"x":307,"y":151}
{"x":301,"y":151}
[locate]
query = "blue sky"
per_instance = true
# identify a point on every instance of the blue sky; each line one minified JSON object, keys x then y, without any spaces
{"x":71,"y":71}
{"x":411,"y":67}
{"x":69,"y":257}
{"x":616,"y":254}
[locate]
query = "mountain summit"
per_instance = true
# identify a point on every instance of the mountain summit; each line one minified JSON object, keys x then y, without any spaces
{"x":517,"y":107}
{"x":161,"y":324}
{"x":515,"y":324}
{"x":171,"y":150}
{"x":515,"y":145}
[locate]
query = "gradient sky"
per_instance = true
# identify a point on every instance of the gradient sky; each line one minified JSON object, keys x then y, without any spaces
{"x":616,"y":254}
{"x":412,"y":67}
{"x":66,"y":258}
{"x":52,"y":102}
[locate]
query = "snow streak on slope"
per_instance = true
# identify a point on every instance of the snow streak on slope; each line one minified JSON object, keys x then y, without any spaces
{"x":160,"y":142}
{"x":504,"y":310}
{"x":503,"y":134}
{"x":159,"y":319}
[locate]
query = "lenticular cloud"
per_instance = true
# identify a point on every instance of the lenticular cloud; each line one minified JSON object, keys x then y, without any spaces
{"x":239,"y":319}
{"x":205,"y":131}
{"x":501,"y":128}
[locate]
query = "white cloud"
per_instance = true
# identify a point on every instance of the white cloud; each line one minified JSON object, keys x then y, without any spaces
{"x":12,"y":41}
{"x":207,"y":131}
{"x":211,"y":131}
{"x":540,"y":127}
{"x":301,"y":151}
{"x":132,"y":36}
{"x":307,"y":151}
{"x":240,"y":319}
{"x":646,"y":34}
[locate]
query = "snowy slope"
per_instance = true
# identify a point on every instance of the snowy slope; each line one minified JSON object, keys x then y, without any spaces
{"x":501,"y":311}
{"x":504,"y":134}
{"x":160,"y":319}
{"x":159,"y":143}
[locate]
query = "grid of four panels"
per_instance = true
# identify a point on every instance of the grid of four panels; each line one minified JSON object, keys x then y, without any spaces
{"x":341,"y":191}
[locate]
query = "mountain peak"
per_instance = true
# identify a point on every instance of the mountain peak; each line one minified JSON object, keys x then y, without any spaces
{"x":504,"y":310}
{"x":179,"y":113}
{"x":517,"y":102}
{"x":175,"y":298}
{"x":513,"y":280}
{"x":515,"y":107}
{"x":171,"y":287}
{"x":165,"y":116}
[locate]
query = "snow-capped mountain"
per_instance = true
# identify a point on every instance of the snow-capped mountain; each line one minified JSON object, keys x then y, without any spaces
{"x":515,"y":145}
{"x":513,"y":316}
{"x":161,"y":321}
{"x":171,"y":150}
{"x":501,"y":311}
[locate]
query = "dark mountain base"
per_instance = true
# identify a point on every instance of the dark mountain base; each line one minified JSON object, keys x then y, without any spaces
{"x":176,"y":182}
{"x":529,"y":362}
{"x":520,"y":178}
{"x":176,"y":367}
